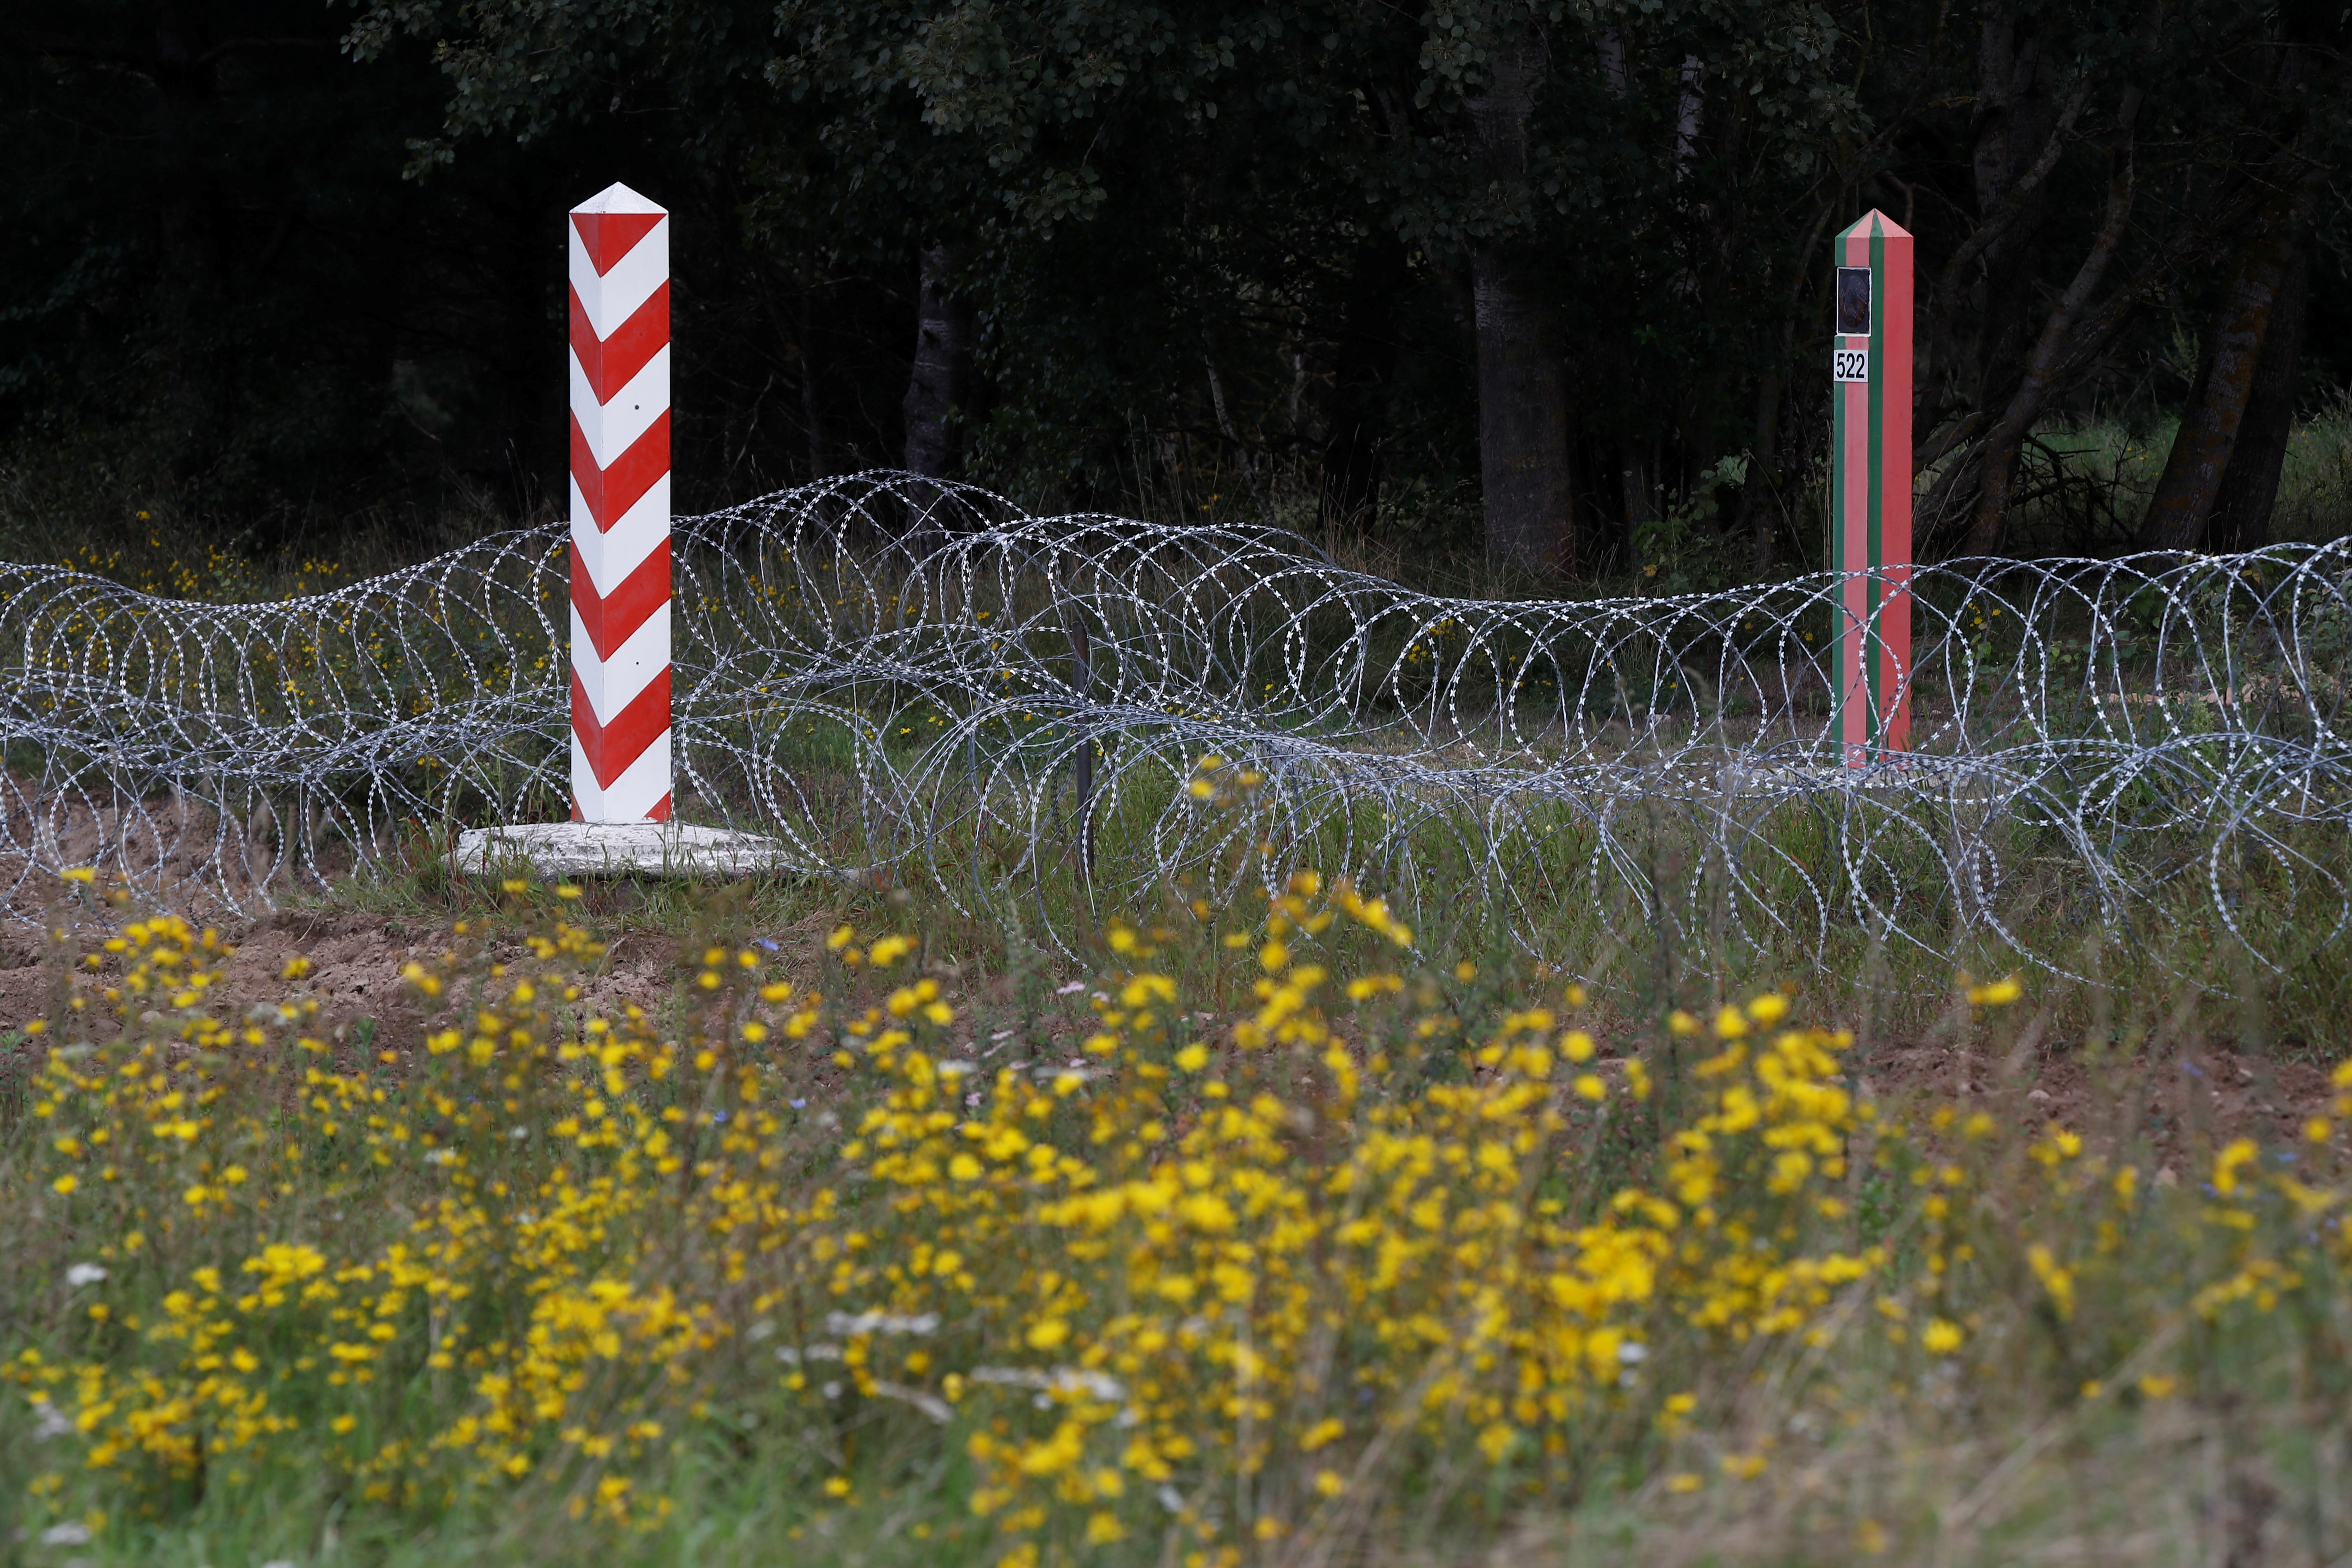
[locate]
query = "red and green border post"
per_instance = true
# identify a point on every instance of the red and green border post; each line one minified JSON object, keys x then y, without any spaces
{"x":1870,"y":490}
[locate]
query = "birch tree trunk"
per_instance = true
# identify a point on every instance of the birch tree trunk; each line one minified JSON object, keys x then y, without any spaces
{"x":934,"y":386}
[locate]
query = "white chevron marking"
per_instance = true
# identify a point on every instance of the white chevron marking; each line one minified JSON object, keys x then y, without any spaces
{"x":636,"y":791}
{"x":636,"y":533}
{"x":612,"y":427}
{"x":613,"y":298}
{"x":611,"y":684}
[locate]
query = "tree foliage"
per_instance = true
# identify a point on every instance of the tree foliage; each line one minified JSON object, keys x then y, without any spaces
{"x":1330,"y":254}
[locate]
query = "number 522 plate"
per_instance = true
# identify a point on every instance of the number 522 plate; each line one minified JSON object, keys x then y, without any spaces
{"x":1850,"y":364}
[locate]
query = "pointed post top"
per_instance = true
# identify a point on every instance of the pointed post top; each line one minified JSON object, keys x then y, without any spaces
{"x":1872,"y":225}
{"x":618,"y":198}
{"x":611,"y":222}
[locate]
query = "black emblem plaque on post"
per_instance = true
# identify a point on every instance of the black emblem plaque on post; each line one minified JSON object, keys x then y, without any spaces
{"x":1853,"y":302}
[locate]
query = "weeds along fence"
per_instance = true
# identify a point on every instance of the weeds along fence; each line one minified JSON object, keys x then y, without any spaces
{"x":915,"y":682}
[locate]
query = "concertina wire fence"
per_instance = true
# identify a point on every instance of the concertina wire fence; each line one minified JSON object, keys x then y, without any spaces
{"x":904,"y":681}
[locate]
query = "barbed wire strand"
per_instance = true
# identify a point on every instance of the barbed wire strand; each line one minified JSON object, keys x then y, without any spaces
{"x":903,"y":679}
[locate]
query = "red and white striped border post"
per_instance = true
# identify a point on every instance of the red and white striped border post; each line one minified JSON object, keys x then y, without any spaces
{"x":1870,"y":490}
{"x":620,"y":509}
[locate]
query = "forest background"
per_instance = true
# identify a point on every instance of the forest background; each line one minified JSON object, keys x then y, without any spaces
{"x":1537,"y":286}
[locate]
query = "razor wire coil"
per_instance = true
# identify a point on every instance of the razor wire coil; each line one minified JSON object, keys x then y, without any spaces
{"x":898,"y":678}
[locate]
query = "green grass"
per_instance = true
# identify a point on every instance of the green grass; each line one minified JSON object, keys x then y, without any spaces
{"x":1657,"y":909}
{"x":2085,"y":486}
{"x":1689,"y":942}
{"x":1871,"y":1452}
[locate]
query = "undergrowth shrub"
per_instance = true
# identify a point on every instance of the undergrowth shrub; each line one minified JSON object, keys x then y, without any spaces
{"x":1357,"y":1261}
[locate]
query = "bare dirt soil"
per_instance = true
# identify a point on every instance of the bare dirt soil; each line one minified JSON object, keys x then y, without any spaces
{"x":2180,"y":1103}
{"x":355,"y":965}
{"x":2177,"y":1103}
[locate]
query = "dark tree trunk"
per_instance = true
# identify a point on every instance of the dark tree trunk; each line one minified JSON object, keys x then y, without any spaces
{"x":2182,"y":513}
{"x":1522,"y":424}
{"x":2218,"y":399}
{"x":2040,"y":377}
{"x":820,"y":457}
{"x":1362,"y":370}
{"x":1759,"y":516}
{"x":194,"y":276}
{"x":1640,"y":473}
{"x":2015,"y":118}
{"x":1523,"y":447}
{"x":2241,"y":506}
{"x":530,"y":415}
{"x":935,"y":387}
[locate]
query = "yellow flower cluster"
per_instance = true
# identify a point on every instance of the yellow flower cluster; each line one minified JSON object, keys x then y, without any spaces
{"x":544,"y":1151}
{"x":1208,"y":1263}
{"x":1204,"y":1284}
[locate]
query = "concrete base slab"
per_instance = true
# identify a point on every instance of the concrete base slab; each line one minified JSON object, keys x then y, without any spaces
{"x":617,"y":849}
